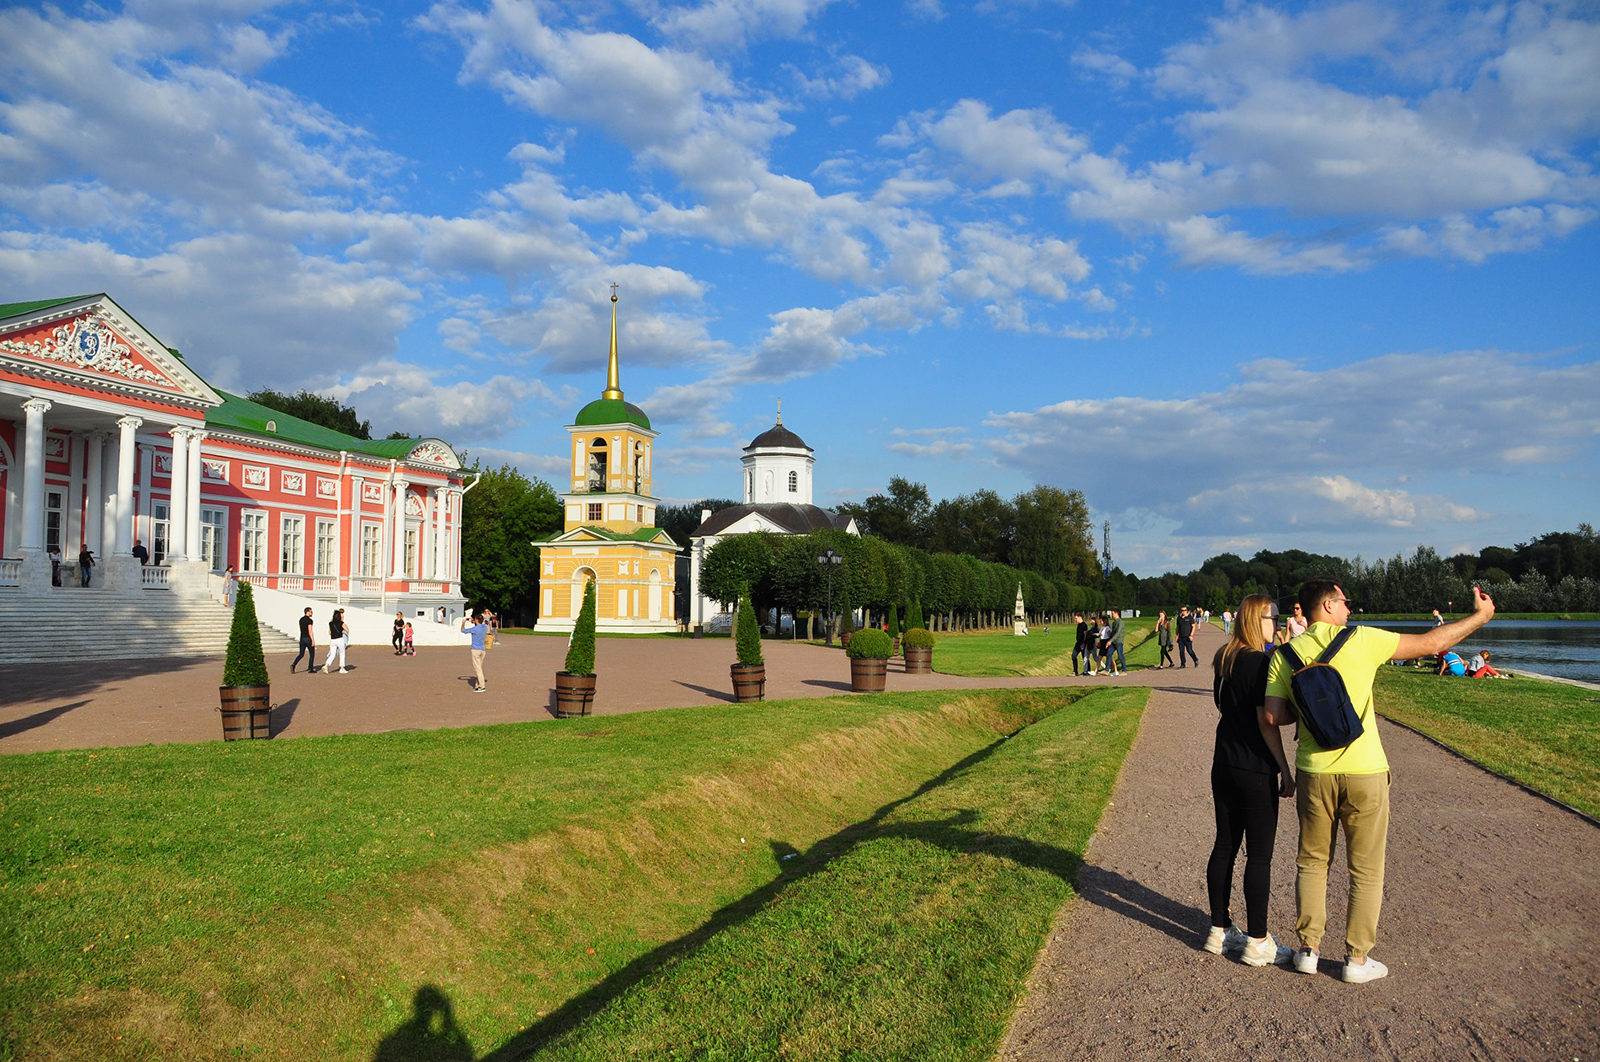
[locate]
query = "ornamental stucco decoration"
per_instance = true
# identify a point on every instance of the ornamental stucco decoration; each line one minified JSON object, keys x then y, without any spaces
{"x":435,"y":454}
{"x":86,"y":343}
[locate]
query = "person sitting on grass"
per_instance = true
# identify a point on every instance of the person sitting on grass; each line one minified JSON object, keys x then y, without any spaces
{"x":1481,"y":668}
{"x":1451,"y":664}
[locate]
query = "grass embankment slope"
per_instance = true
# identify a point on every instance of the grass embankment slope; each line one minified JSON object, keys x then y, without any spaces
{"x":806,"y":877}
{"x":1545,"y":735}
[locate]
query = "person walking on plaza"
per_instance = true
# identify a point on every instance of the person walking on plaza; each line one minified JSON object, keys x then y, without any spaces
{"x":1115,"y":648}
{"x":410,"y":645}
{"x":308,"y":645}
{"x":479,"y":630}
{"x":1347,"y":788}
{"x":1186,"y":638}
{"x":1078,"y":650}
{"x":1164,"y":640}
{"x":85,"y":564}
{"x":338,"y":642}
{"x":1249,"y":773}
{"x":398,"y":639}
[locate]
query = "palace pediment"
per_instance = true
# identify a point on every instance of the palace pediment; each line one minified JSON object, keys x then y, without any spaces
{"x":93,"y":344}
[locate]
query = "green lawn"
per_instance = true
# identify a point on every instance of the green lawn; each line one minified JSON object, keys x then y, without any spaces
{"x":1544,"y":734}
{"x":298,"y":898}
{"x":989,"y":654}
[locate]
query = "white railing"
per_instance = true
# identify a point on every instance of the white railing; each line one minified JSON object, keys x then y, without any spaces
{"x":325,"y":584}
{"x":154,"y":576}
{"x":10,"y":571}
{"x":427,"y":586}
{"x":371,"y":586}
{"x":253,"y":580}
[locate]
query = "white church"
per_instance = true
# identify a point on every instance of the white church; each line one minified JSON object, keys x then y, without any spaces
{"x":777,"y":499}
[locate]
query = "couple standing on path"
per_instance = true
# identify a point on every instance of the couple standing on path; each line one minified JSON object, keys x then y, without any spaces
{"x":1337,"y":788}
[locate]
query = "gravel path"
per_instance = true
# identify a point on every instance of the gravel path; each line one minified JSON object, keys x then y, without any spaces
{"x":1490,"y":926}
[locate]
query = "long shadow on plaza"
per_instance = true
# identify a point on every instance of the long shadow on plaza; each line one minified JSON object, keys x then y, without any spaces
{"x":28,"y":722}
{"x":954,"y":833}
{"x":55,"y":681}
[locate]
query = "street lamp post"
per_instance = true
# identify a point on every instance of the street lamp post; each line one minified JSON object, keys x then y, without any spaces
{"x":829,"y":559}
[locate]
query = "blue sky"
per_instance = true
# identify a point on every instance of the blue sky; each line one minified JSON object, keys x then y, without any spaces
{"x":1249,"y":276}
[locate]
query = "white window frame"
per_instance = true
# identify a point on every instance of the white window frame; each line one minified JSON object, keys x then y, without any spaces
{"x":160,"y":531}
{"x":327,"y":559}
{"x":371,"y":548}
{"x":212,"y":547}
{"x":292,"y":544}
{"x":413,"y":552}
{"x":55,"y":527}
{"x":252,"y":540}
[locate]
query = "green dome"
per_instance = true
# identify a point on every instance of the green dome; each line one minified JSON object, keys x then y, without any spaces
{"x":612,"y":411}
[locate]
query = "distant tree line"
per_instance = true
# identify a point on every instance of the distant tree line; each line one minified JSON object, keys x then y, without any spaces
{"x":1556,"y":572}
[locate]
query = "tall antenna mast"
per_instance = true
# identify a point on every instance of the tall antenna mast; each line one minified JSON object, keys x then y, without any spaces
{"x":1106,"y":556}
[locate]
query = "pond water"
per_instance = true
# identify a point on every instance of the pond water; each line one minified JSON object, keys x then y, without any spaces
{"x":1563,"y":648}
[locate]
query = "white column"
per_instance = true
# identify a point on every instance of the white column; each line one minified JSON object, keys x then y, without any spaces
{"x":108,"y":500}
{"x":191,"y":518}
{"x":436,"y":568}
{"x":95,"y":491}
{"x":125,"y":458}
{"x":178,"y":502}
{"x":399,"y":572}
{"x":33,"y":476}
{"x":454,"y":507}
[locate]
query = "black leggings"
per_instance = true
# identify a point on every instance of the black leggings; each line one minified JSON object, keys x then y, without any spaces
{"x":1247,"y":810}
{"x":1166,"y":653}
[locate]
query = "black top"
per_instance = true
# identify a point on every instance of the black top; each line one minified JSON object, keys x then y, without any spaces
{"x":305,"y":627}
{"x":1239,"y":740}
{"x":336,"y":628}
{"x":1083,"y":634}
{"x":1185,"y":626}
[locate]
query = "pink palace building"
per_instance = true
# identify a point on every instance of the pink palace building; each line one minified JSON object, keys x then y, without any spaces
{"x":108,"y":438}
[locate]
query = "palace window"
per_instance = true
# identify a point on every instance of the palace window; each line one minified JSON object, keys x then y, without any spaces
{"x":595,"y":511}
{"x":292,"y":546}
{"x":253,"y":541}
{"x":327,"y":547}
{"x":213,"y":524}
{"x":371,"y":549}
{"x":794,"y":482}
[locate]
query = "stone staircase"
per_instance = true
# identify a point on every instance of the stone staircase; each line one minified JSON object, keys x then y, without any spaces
{"x":76,"y":624}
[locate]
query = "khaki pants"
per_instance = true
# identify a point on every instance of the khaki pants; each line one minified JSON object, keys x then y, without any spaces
{"x":1360,"y":804}
{"x":477,"y":665}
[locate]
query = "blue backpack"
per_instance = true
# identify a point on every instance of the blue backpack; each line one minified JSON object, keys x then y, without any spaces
{"x":1320,"y":697}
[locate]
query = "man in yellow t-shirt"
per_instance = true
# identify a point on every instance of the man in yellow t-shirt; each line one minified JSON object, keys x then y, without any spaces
{"x":1347,"y":787}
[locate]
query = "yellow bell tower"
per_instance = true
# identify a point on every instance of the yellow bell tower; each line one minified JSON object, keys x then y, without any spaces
{"x":609,"y":531}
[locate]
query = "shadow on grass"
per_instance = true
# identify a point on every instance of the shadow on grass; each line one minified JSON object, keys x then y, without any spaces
{"x":952,"y":833}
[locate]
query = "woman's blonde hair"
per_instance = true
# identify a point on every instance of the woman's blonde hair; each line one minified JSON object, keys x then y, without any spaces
{"x":1246,"y":632}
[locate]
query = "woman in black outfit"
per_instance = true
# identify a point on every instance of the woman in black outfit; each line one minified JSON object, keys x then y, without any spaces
{"x":1248,"y":775}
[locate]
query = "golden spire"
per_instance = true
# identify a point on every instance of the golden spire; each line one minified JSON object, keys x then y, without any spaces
{"x":613,"y":379}
{"x":780,"y":412}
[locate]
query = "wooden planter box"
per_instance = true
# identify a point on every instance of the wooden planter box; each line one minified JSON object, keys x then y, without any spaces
{"x":574,"y":694}
{"x":867,"y":675}
{"x":749,"y":682}
{"x":919,"y":660}
{"x":246,"y":712}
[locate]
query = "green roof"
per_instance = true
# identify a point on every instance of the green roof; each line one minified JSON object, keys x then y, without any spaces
{"x":643,"y":534}
{"x":241,"y":414}
{"x":612,"y":411}
{"x":17,"y":309}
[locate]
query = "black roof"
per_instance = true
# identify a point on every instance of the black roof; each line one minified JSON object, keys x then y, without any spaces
{"x":778,"y":435}
{"x":794,"y":519}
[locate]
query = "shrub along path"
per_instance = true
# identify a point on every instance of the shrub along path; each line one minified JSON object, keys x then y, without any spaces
{"x":1490,"y":926}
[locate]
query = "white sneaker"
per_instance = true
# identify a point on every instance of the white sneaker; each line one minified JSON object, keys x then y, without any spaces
{"x":1359,"y":973}
{"x":1265,"y":952}
{"x":1305,"y":960}
{"x":1225,"y":938}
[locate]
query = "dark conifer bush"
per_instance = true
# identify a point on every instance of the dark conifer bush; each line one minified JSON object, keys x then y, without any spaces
{"x":580,"y":651}
{"x":246,"y":664}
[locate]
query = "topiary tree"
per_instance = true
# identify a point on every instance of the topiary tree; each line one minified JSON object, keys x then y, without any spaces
{"x":246,"y":664}
{"x":847,"y":618}
{"x":580,"y":650}
{"x":869,"y":644}
{"x":894,"y":621}
{"x":917,"y":638}
{"x":914,"y":618}
{"x":747,"y":632}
